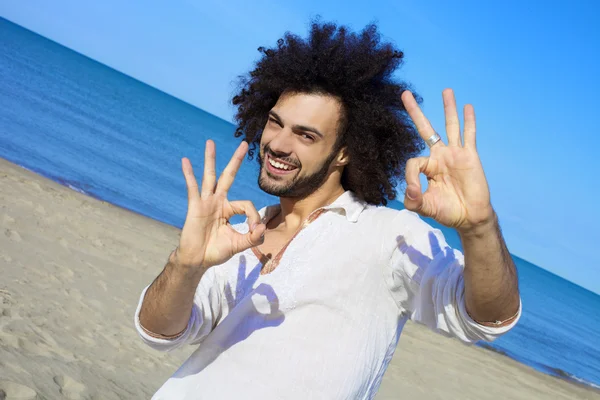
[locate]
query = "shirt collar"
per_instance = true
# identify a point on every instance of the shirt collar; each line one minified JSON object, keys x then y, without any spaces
{"x":348,"y":203}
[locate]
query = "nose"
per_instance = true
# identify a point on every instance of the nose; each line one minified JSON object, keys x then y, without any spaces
{"x":281,"y":143}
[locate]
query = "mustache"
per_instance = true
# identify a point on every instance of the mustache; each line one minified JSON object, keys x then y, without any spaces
{"x":281,"y":156}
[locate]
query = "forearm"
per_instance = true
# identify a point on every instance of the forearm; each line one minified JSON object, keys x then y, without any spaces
{"x":491,"y":284}
{"x":167,"y":305}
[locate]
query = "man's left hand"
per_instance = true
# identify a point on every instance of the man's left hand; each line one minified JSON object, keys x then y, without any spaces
{"x":457,"y":195}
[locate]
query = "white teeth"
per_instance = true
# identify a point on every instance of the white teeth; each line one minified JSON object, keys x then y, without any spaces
{"x":279,"y":165}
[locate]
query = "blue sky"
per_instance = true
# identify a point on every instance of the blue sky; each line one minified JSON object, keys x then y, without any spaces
{"x":529,"y":68}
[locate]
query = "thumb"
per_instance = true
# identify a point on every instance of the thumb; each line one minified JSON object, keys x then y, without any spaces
{"x":251,"y":239}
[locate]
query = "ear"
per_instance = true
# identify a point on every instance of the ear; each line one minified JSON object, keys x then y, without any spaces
{"x":343,"y":158}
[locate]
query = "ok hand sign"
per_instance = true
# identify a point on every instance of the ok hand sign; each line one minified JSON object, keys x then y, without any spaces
{"x":207,"y":238}
{"x":457,"y":194}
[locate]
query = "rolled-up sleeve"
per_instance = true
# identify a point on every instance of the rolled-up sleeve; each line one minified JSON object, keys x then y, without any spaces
{"x":207,"y":309}
{"x":427,"y":281}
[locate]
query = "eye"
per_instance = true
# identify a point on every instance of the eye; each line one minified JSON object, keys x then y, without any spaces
{"x":307,"y":137}
{"x":273,"y":120}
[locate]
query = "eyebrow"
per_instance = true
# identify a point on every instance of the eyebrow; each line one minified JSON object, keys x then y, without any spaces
{"x":297,"y":127}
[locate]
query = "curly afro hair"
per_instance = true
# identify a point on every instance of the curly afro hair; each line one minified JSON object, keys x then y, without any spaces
{"x":375,"y":129}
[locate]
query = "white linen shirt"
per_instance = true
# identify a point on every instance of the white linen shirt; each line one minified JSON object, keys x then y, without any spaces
{"x":325,"y":323}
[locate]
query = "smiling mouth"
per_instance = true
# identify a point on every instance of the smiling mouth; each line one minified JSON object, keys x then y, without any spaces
{"x":278,"y":167}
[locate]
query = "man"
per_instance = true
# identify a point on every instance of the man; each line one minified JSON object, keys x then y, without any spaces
{"x":307,"y":298}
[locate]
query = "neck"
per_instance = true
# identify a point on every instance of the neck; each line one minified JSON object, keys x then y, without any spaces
{"x":295,"y":211}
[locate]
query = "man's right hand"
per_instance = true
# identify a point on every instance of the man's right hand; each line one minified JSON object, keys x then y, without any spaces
{"x":207,"y":238}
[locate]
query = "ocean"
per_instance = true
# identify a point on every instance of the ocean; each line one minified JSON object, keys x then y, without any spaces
{"x":107,"y":135}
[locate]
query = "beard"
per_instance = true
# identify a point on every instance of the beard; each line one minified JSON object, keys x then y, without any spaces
{"x":298,"y":187}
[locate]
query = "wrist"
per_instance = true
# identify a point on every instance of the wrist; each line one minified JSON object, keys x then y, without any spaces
{"x":184,"y":270}
{"x":481,"y":229}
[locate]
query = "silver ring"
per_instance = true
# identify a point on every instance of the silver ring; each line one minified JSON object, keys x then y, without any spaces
{"x":433,"y":139}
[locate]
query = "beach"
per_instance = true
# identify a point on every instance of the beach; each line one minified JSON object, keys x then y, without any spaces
{"x":73,"y":268}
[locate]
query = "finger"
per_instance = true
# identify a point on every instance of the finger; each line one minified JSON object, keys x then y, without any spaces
{"x":421,"y":122}
{"x":255,"y":236}
{"x":210,"y":177}
{"x":244,"y":207}
{"x":469,"y":112}
{"x":452,"y":121}
{"x":413,"y":169}
{"x":228,"y":175}
{"x":413,"y":199}
{"x":190,"y":181}
{"x":250,"y":239}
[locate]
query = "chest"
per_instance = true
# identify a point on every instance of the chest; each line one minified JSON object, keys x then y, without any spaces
{"x":275,"y":241}
{"x":322,"y":261}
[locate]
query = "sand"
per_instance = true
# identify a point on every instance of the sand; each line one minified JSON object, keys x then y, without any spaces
{"x":72,"y":268}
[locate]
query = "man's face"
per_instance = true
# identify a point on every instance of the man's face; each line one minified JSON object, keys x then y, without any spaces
{"x":297,"y":144}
